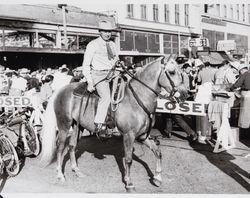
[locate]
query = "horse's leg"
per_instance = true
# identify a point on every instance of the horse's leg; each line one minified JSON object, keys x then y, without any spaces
{"x":157,"y":152}
{"x":128,"y":143}
{"x":62,"y":138}
{"x":72,"y":147}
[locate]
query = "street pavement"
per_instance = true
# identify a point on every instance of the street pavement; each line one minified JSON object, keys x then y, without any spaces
{"x":187,"y":169}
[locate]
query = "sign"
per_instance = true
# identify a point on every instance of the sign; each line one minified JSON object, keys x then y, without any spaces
{"x":186,"y":108}
{"x":214,"y":21}
{"x":198,"y":42}
{"x":14,"y":101}
{"x":226,"y":45}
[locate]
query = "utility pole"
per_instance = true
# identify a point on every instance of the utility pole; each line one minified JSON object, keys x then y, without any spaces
{"x":63,"y":7}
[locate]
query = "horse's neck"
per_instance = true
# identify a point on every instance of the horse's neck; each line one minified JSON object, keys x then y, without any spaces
{"x":150,"y":76}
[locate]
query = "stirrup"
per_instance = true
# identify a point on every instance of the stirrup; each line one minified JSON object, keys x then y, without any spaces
{"x":101,"y":132}
{"x":103,"y":135}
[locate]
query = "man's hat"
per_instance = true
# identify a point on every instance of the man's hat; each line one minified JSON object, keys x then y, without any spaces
{"x":24,"y":71}
{"x":106,"y":25}
{"x":242,"y":66}
{"x":8,"y":70}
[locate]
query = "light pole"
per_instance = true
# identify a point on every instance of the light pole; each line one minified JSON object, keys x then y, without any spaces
{"x":63,"y":7}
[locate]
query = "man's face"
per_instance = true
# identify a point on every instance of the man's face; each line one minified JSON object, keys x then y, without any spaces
{"x":105,"y":34}
{"x":188,"y":70}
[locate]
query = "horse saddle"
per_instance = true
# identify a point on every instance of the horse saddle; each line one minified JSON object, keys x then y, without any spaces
{"x":81,"y":90}
{"x":117,"y":90}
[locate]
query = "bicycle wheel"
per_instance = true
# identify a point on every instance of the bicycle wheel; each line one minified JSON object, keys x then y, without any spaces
{"x":9,"y":156}
{"x":31,"y":140}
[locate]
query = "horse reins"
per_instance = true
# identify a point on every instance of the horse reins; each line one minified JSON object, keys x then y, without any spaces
{"x":139,"y":101}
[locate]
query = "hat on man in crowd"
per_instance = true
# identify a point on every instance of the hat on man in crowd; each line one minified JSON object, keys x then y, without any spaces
{"x":64,"y":66}
{"x":198,"y":62}
{"x":105,"y":25}
{"x":235,"y":64}
{"x":8,"y":70}
{"x":24,"y":71}
{"x":242,"y":66}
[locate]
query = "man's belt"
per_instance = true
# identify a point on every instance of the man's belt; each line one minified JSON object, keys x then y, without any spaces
{"x":244,"y":89}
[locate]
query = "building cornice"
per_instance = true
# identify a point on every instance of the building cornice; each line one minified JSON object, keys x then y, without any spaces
{"x":225,"y":19}
{"x":154,"y":30}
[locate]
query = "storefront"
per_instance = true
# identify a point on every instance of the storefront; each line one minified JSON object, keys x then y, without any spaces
{"x":216,"y":29}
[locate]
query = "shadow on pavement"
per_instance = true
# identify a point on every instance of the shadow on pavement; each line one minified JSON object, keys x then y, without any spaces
{"x":223,"y":161}
{"x":113,"y":147}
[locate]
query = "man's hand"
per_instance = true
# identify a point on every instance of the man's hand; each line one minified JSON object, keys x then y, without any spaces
{"x":90,"y":87}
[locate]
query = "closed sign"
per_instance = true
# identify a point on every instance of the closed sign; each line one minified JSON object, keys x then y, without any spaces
{"x":186,"y":108}
{"x":14,"y":101}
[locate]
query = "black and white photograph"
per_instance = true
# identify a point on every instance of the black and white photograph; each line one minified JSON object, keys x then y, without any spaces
{"x":125,"y":98}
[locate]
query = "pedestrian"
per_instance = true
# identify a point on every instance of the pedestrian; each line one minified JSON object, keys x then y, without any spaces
{"x":244,"y":84}
{"x":46,"y":90}
{"x":224,"y":77}
{"x":205,"y":81}
{"x":100,"y":56}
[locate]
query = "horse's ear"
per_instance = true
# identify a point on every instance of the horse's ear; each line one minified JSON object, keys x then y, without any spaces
{"x":163,"y":60}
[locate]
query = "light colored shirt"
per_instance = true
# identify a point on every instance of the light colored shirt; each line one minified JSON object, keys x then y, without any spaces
{"x":96,"y":55}
{"x":186,"y":80}
{"x":45,"y":92}
{"x":19,"y":83}
{"x":60,"y":80}
{"x":206,"y":75}
{"x":224,"y":76}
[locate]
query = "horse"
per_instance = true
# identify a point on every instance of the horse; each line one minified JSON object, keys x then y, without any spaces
{"x":133,"y":117}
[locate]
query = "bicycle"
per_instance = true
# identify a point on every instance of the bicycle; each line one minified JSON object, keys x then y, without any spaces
{"x":9,"y":160}
{"x":16,"y":127}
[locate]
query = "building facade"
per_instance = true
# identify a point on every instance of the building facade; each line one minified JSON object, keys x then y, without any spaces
{"x":227,"y":22}
{"x":149,"y":29}
{"x":38,"y":36}
{"x":154,"y":29}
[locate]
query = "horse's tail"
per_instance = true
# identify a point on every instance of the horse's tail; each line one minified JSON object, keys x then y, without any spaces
{"x":49,"y":132}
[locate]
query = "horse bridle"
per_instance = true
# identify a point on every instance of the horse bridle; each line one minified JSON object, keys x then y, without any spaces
{"x":139,"y":101}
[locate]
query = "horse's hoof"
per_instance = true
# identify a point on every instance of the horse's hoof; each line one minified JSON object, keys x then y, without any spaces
{"x":61,"y":179}
{"x":130,"y":188}
{"x":79,"y":174}
{"x":157,"y":182}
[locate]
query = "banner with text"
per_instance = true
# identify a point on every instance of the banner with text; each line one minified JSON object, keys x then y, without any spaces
{"x":186,"y":108}
{"x":15,"y":101}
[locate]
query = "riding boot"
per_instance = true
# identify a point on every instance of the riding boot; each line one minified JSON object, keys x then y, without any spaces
{"x":101,"y":131}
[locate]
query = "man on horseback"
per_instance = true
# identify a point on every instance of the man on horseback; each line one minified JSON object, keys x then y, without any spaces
{"x":100,"y":56}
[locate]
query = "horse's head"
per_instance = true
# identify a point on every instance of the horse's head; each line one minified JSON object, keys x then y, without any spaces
{"x":171,"y":79}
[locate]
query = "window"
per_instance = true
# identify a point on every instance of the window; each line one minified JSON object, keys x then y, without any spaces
{"x":155,"y":12}
{"x":143,"y":11}
{"x":170,"y":44}
{"x":186,"y":7}
{"x":238,"y":12}
{"x":166,"y":13}
{"x":243,"y":12}
{"x":130,"y":10}
{"x":177,"y":14}
{"x":231,"y":11}
{"x":218,"y":9}
{"x":225,"y":11}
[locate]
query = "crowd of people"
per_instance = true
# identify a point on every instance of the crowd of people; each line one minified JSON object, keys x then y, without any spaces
{"x":228,"y":80}
{"x":41,"y":83}
{"x":200,"y":78}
